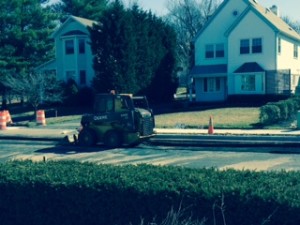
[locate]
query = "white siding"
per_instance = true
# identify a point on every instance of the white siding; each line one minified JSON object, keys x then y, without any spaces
{"x":250,"y":27}
{"x":215,"y":32}
{"x":73,"y":62}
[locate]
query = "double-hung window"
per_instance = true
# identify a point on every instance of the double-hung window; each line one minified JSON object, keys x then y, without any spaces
{"x":245,"y":46}
{"x":69,"y":47}
{"x":220,"y":51}
{"x":256,"y":45}
{"x":212,"y":84}
{"x":279,"y":45}
{"x":209,"y":51}
{"x":253,"y":46}
{"x":295,"y":51}
{"x":81,"y":46}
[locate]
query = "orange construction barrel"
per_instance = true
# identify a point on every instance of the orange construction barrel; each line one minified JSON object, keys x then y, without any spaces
{"x":40,"y":118}
{"x":2,"y":120}
{"x":8,"y":118}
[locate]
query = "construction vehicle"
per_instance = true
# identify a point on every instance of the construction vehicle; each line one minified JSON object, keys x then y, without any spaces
{"x":118,"y":119}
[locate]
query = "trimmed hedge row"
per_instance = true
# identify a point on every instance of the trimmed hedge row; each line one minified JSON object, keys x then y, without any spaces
{"x":75,"y":193}
{"x":283,"y":110}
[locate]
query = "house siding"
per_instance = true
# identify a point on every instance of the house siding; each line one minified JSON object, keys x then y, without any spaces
{"x":234,"y":21}
{"x":250,"y":27}
{"x":215,"y":32}
{"x":66,"y":64}
{"x":208,"y":96}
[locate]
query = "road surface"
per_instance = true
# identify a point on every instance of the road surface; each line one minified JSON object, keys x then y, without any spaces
{"x":193,"y":157}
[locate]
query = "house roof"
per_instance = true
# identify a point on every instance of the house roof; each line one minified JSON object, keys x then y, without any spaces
{"x":209,"y":69}
{"x":82,"y":21}
{"x":274,"y":21}
{"x":249,"y":67}
{"x":267,"y":15}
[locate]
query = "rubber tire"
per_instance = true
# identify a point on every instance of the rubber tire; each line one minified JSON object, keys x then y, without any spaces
{"x":87,"y":138}
{"x":112,"y":139}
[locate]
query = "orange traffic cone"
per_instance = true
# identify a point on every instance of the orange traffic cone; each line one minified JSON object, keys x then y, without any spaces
{"x":8,"y":118}
{"x":210,"y":126}
{"x":40,"y":118}
{"x":2,"y":120}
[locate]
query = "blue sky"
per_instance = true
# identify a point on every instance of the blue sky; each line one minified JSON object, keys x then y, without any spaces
{"x":289,"y":8}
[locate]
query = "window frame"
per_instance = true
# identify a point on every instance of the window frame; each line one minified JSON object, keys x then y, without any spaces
{"x":69,"y":47}
{"x":248,"y":83}
{"x":81,"y":46}
{"x":245,"y":46}
{"x":211,"y":84}
{"x":256,"y":45}
{"x":209,"y":51}
{"x":220,"y":50}
{"x":295,"y":52}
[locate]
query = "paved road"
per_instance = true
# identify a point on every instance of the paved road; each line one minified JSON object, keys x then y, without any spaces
{"x":192,"y":157}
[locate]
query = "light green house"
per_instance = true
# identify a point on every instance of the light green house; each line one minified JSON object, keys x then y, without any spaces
{"x":73,"y":56}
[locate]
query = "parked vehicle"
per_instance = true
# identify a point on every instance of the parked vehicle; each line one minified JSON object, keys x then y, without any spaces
{"x":118,"y":119}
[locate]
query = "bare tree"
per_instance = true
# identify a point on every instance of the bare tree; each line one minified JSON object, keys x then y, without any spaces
{"x":294,"y":24}
{"x":35,"y":88}
{"x":188,"y":17}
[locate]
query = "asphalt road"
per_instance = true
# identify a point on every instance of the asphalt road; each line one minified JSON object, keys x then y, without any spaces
{"x":242,"y":158}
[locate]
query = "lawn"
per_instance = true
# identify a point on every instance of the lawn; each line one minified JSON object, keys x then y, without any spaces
{"x":242,"y":118}
{"x":231,"y":117}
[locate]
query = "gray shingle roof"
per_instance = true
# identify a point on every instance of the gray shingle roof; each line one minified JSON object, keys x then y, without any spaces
{"x":249,"y":67}
{"x":274,"y":20}
{"x":83,"y":21}
{"x":209,"y":69}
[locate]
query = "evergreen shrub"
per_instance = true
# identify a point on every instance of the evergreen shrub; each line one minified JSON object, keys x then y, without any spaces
{"x":72,"y":193}
{"x":283,"y":110}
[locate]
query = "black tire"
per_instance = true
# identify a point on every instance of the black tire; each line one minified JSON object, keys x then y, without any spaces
{"x":87,"y":138}
{"x":112,"y":139}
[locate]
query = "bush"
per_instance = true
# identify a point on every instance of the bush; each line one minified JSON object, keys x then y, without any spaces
{"x":279,"y":111}
{"x":269,"y":114}
{"x":84,"y":193}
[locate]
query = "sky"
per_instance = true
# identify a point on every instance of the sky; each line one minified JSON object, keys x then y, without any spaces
{"x":290,"y":8}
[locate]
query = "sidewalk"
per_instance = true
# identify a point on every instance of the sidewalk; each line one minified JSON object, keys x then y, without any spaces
{"x":52,"y":132}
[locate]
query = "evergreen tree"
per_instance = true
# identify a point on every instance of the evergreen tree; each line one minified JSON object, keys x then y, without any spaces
{"x":113,"y":46}
{"x":134,"y":52}
{"x":25,"y":27}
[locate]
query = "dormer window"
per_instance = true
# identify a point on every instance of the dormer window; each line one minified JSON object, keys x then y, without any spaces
{"x":69,"y":47}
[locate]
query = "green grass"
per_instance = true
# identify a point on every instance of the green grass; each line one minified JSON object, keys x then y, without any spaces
{"x":243,"y":118}
{"x":231,"y":117}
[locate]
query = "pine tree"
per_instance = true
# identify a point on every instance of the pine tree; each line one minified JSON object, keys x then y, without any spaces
{"x":133,"y":52}
{"x":25,"y":27}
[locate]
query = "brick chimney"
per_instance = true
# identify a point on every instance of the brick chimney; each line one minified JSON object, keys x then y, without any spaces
{"x":275,"y":10}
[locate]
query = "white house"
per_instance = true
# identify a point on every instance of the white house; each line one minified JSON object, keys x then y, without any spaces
{"x":73,"y":56}
{"x":245,"y":49}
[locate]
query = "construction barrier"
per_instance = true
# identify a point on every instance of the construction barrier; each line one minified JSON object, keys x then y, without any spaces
{"x":8,"y":118}
{"x":40,"y":118}
{"x":2,"y":120}
{"x":210,"y":126}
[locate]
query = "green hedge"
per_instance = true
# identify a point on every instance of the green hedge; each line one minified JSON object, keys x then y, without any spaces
{"x":75,"y":193}
{"x":283,"y":110}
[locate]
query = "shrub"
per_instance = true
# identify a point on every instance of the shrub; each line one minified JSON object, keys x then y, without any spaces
{"x":280,"y":111}
{"x":73,"y":193}
{"x":269,"y":114}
